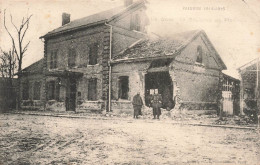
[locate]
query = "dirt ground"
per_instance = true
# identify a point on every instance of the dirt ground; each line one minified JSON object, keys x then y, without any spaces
{"x":26,"y":139}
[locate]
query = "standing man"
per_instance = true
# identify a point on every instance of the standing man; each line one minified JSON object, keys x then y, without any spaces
{"x":156,"y":104}
{"x":137,"y":104}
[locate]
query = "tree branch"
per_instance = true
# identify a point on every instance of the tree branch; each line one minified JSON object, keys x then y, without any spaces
{"x":25,"y":48}
{"x":15,"y":50}
{"x":27,"y":23}
{"x":13,"y":23}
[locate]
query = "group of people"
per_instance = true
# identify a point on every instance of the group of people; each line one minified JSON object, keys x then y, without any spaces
{"x":156,"y":102}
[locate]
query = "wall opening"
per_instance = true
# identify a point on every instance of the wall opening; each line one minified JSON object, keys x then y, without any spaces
{"x":123,"y":89}
{"x":92,"y":89}
{"x":70,"y":101}
{"x":162,"y":82}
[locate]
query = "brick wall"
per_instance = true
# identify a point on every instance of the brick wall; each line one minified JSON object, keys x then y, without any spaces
{"x":198,"y":83}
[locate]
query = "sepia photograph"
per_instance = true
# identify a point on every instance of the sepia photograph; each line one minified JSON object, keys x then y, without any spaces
{"x":130,"y":82}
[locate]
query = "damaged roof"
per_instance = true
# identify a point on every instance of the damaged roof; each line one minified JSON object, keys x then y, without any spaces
{"x":147,"y":48}
{"x":95,"y":19}
{"x":161,"y":47}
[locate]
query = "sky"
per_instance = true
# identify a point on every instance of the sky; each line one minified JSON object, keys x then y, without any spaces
{"x":233,"y":26}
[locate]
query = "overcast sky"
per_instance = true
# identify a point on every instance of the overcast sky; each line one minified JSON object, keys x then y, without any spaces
{"x":233,"y":26}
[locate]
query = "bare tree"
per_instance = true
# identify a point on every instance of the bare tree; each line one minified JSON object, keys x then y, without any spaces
{"x":8,"y":64}
{"x":18,"y":46}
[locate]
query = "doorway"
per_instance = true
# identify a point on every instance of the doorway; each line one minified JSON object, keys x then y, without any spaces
{"x":71,"y":95}
{"x":162,"y":82}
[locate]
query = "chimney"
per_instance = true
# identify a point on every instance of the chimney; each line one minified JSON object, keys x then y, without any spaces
{"x":128,"y":3}
{"x":65,"y":18}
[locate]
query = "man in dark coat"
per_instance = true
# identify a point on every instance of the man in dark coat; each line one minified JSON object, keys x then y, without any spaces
{"x":156,"y":104}
{"x":137,"y":104}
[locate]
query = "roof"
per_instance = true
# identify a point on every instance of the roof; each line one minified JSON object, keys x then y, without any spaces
{"x":230,"y":77}
{"x":147,"y":48}
{"x":245,"y":66}
{"x":161,"y":47}
{"x":36,"y":67}
{"x":99,"y":18}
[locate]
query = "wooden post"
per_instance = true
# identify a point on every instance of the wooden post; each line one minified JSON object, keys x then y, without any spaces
{"x":257,"y":92}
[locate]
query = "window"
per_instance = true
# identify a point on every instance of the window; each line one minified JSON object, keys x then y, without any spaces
{"x":135,"y":23}
{"x":53,"y":90}
{"x":25,"y":90}
{"x":123,"y":87}
{"x":72,"y":57}
{"x":37,"y":91}
{"x":53,"y":60}
{"x":93,"y":53}
{"x":92,"y":89}
{"x":199,"y":54}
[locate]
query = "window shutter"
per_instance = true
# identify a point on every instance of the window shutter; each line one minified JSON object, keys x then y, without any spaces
{"x":37,"y":91}
{"x":51,"y":56}
{"x":93,"y":53}
{"x":57,"y":91}
{"x":55,"y":59}
{"x":137,"y":23}
{"x":72,"y":57}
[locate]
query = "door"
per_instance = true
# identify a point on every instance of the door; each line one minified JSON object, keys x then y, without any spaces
{"x":227,"y":102}
{"x":71,"y":95}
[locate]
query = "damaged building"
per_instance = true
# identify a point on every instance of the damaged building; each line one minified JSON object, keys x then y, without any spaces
{"x":101,"y":61}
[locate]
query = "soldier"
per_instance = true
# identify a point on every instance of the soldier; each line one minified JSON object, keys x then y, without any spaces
{"x":156,"y":104}
{"x":137,"y":105}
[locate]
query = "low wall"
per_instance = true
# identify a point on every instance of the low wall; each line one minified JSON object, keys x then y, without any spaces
{"x":122,"y":106}
{"x":198,"y":106}
{"x":90,"y":106}
{"x":53,"y":105}
{"x":32,"y":104}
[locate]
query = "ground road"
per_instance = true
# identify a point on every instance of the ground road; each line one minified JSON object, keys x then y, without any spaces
{"x":26,"y":139}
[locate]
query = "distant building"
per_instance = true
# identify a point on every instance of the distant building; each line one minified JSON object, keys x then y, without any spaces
{"x":101,"y":61}
{"x":250,"y":74}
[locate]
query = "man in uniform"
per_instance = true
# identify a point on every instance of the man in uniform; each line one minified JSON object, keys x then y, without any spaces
{"x":156,"y":104}
{"x":137,"y":105}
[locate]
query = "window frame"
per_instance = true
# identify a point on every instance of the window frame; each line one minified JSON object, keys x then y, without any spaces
{"x":135,"y":22}
{"x":199,"y":57}
{"x":53,"y":59}
{"x":123,"y":94}
{"x":25,"y":91}
{"x":93,"y":53}
{"x":72,"y":57}
{"x":37,"y":87}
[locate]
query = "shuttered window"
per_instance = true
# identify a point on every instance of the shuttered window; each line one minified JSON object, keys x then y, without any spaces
{"x":53,"y":60}
{"x":37,"y":90}
{"x":93,"y":54}
{"x":72,"y":57}
{"x":25,"y":90}
{"x":53,"y":90}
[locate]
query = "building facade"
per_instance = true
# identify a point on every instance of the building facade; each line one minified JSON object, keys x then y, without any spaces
{"x":101,"y":61}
